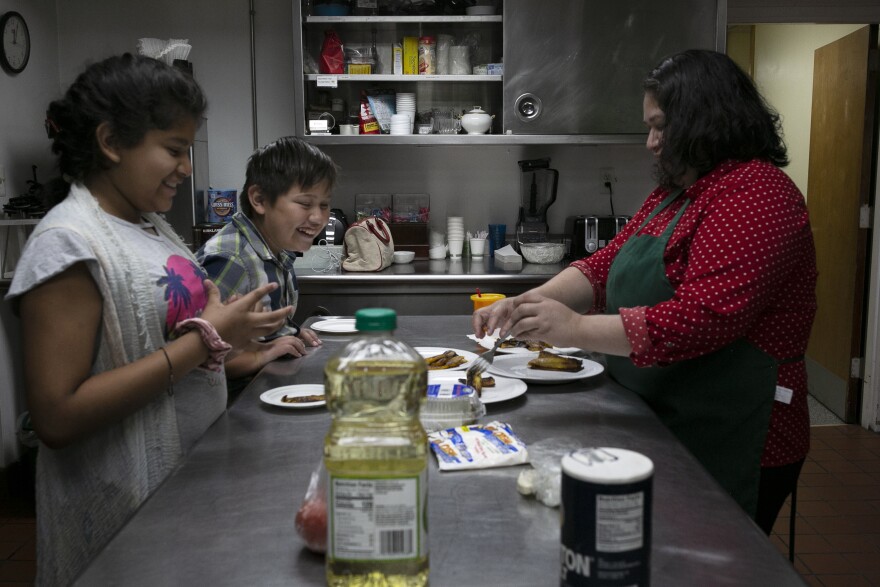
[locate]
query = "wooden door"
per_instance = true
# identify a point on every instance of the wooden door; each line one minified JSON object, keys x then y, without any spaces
{"x":838,"y":189}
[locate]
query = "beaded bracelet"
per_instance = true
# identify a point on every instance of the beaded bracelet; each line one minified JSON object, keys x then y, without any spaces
{"x":218,"y":347}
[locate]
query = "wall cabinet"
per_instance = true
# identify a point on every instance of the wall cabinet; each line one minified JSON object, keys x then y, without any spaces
{"x":340,"y":95}
{"x":572,"y":68}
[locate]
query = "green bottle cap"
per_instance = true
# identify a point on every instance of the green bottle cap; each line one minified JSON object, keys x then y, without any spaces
{"x":375,"y":319}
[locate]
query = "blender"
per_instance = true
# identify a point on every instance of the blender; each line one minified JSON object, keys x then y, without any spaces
{"x":537,"y":192}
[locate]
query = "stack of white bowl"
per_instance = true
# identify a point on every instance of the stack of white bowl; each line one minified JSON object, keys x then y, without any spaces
{"x":401,"y":124}
{"x":405,"y":103}
{"x":455,"y":235}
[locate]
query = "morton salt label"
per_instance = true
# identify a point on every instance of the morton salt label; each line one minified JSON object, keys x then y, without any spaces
{"x":221,"y":205}
{"x":606,"y":518}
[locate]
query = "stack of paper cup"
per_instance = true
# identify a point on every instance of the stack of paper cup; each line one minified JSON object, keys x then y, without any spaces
{"x":455,"y":235}
{"x":406,"y":104}
{"x":401,"y":124}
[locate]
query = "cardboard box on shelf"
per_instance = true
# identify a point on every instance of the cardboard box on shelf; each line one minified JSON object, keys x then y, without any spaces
{"x":410,"y":56}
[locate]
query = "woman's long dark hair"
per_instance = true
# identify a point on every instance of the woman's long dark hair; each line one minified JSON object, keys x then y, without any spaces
{"x":713,"y":113}
{"x":133,"y":94}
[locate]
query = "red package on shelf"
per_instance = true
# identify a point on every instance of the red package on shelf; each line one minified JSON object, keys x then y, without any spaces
{"x":332,"y":55}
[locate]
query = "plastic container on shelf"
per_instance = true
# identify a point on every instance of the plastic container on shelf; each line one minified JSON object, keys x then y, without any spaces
{"x":410,"y":207}
{"x":378,"y":205}
{"x":375,"y":453}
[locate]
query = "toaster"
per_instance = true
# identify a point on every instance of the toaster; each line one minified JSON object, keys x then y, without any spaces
{"x":591,"y":233}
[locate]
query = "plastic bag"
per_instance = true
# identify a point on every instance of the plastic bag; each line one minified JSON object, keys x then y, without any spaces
{"x":311,"y":518}
{"x":332,"y":55}
{"x":544,"y":479}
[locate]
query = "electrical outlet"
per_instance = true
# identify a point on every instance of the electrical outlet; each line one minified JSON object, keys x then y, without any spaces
{"x":608,"y":175}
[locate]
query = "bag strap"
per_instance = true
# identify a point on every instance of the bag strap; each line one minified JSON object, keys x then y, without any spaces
{"x":376,"y":228}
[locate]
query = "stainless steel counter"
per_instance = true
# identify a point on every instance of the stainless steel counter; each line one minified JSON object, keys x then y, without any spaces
{"x":226,"y":516}
{"x":441,"y":286}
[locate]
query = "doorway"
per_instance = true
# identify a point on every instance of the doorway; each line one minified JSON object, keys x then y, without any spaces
{"x":780,"y":57}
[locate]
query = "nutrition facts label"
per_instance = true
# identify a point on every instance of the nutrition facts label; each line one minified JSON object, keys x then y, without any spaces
{"x":376,"y":518}
{"x":619,"y":522}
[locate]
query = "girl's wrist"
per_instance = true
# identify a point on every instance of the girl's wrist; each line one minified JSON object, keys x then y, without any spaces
{"x":217,"y":347}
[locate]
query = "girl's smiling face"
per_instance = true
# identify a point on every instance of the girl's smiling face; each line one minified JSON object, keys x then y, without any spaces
{"x":294,"y":219}
{"x":144,"y":178}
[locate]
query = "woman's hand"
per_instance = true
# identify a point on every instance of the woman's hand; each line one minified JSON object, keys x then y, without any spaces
{"x":537,"y":317}
{"x":238,"y":322}
{"x":488,"y":318}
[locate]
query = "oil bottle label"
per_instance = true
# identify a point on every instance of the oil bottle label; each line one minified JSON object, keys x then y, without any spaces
{"x":377,"y":519}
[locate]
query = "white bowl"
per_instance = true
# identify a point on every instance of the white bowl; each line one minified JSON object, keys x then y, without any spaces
{"x":404,"y":256}
{"x":543,"y":252}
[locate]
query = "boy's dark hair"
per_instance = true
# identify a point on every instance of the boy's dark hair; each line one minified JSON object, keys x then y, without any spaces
{"x":133,"y":94}
{"x":282,"y":164}
{"x":713,"y":113}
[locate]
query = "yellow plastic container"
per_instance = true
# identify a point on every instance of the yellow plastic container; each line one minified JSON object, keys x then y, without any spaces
{"x":485,"y":299}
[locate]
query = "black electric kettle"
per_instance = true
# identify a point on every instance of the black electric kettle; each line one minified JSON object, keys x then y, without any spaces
{"x":334,"y":232}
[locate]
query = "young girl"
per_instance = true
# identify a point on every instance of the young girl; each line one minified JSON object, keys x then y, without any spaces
{"x":285,"y":204}
{"x":123,"y":338}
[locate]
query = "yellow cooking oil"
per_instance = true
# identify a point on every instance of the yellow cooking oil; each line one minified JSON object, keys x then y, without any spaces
{"x":376,"y":458}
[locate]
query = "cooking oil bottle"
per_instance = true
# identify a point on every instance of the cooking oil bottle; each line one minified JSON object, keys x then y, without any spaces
{"x":376,"y":458}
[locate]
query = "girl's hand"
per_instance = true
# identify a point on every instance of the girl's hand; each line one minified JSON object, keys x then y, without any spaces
{"x":237,"y":322}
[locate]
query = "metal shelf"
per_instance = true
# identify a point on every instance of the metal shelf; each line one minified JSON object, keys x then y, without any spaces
{"x":402,"y":19}
{"x":464,"y":140}
{"x":382,"y":77}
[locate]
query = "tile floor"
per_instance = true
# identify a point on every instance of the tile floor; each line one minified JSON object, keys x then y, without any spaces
{"x":837,"y":519}
{"x":837,"y":537}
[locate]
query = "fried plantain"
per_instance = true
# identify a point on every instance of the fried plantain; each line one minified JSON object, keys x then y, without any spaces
{"x":550,"y":362}
{"x":447,"y":360}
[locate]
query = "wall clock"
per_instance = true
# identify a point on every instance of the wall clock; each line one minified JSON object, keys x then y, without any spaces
{"x":16,"y":48}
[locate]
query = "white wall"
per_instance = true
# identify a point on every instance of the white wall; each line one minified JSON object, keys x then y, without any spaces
{"x":784,"y":74}
{"x":23,"y":143}
{"x":24,"y":98}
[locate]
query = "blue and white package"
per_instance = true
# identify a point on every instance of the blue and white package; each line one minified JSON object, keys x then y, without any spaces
{"x":478,"y":447}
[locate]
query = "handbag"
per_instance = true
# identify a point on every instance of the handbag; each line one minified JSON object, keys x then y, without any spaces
{"x":368,"y":246}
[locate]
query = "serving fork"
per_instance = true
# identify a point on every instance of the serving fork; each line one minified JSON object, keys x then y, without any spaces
{"x":483,"y":361}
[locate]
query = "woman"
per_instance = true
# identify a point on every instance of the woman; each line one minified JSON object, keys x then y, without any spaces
{"x":115,"y":301}
{"x":285,"y":204}
{"x":704,"y":302}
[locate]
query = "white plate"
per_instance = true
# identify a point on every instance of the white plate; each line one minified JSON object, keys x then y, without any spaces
{"x":488,"y":341}
{"x":273,"y":396}
{"x":505,"y":387}
{"x":335,"y":325}
{"x":517,"y":366}
{"x":431,"y":351}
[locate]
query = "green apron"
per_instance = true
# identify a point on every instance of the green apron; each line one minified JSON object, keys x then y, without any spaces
{"x":718,"y":405}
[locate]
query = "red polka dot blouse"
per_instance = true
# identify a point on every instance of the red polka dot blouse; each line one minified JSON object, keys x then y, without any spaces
{"x":743,"y":265}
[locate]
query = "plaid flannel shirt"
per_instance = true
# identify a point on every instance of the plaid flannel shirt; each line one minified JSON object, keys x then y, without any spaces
{"x":238,"y":260}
